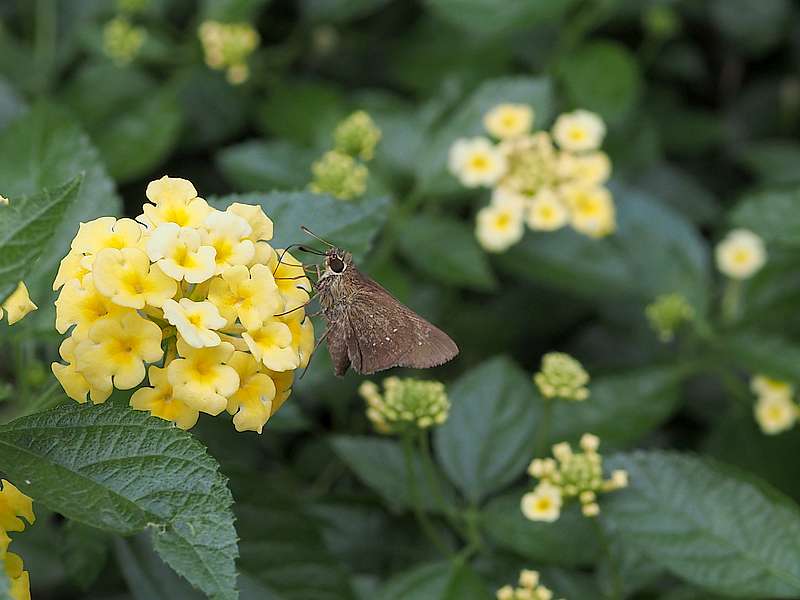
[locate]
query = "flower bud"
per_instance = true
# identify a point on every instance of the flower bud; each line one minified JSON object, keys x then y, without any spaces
{"x":122,"y":40}
{"x":667,"y":313}
{"x":357,"y":136}
{"x":339,"y":175}
{"x":561,"y":376}
{"x":405,"y":404}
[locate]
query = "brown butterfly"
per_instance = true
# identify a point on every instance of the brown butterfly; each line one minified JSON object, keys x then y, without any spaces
{"x":368,"y":328}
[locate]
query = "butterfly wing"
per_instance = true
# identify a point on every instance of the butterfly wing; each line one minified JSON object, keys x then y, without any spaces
{"x":383,"y":333}
{"x":336,"y":337}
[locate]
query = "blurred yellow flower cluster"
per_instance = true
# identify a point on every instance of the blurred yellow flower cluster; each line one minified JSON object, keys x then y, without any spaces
{"x":741,"y":254}
{"x":342,"y":172}
{"x":122,"y":40}
{"x":530,"y":588}
{"x":14,"y":507}
{"x":543,"y":179}
{"x":775,"y":409}
{"x":667,"y":313}
{"x":569,"y":475}
{"x":561,"y":376}
{"x":17,"y":305}
{"x":227,"y":47}
{"x":197,"y":294}
{"x":405,"y":404}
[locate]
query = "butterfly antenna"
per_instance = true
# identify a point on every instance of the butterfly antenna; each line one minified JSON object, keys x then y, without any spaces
{"x":284,"y":252}
{"x":311,"y":250}
{"x":307,"y":231}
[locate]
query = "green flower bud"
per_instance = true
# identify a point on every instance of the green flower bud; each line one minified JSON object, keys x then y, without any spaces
{"x":662,"y":21}
{"x":227,"y":47}
{"x":561,"y":376}
{"x":357,"y":136}
{"x":405,"y":404}
{"x":667,"y":313}
{"x":122,"y":40}
{"x":339,"y":175}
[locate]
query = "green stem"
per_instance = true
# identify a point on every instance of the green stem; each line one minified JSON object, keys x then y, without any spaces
{"x":731,"y":301}
{"x":605,"y":547}
{"x":543,"y":432}
{"x":433,"y":481}
{"x":424,"y":523}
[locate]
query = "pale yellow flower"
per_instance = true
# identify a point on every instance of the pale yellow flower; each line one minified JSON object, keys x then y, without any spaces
{"x":18,"y":304}
{"x":546,"y":212}
{"x":70,"y":268}
{"x":106,"y":232}
{"x":302,"y":336}
{"x":252,"y":403}
{"x":261,"y":227}
{"x":591,"y":209}
{"x":180,"y":253}
{"x":202,"y":379}
{"x":768,"y":386}
{"x":229,"y":235}
{"x":195,"y":321}
{"x":741,"y":254}
{"x":293,"y":285}
{"x":127,"y":277}
{"x":543,"y":503}
{"x":251,"y":295}
{"x":506,"y":121}
{"x":174,"y":201}
{"x":775,"y":414}
{"x":476,"y":162}
{"x":160,"y":401}
{"x":75,"y":385}
{"x":499,"y":227}
{"x":579,"y":131}
{"x":81,"y":304}
{"x":271,"y":344}
{"x":591,"y":168}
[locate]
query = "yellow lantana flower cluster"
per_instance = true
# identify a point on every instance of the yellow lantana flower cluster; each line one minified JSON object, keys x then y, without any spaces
{"x":17,"y":305}
{"x":569,"y":475}
{"x":543,"y":179}
{"x":122,"y":40}
{"x":14,"y":507}
{"x":530,"y":588}
{"x":405,"y":404}
{"x":667,"y":313}
{"x":775,"y":410}
{"x":193,"y":296}
{"x":561,"y":376}
{"x":342,"y":172}
{"x":227,"y":47}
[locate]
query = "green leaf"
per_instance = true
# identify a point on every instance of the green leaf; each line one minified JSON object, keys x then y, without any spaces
{"x":761,"y":352}
{"x":27,"y":223}
{"x":482,"y":17}
{"x":773,"y":161}
{"x":681,"y":191}
{"x":349,"y":225}
{"x":707,"y":523}
{"x":654,"y":251}
{"x":773,"y":214}
{"x":233,"y":10}
{"x":445,"y":249}
{"x":43,"y":149}
{"x":256,"y":165}
{"x":621,"y":408}
{"x":433,"y":176}
{"x":752,"y":28}
{"x":380,"y":464}
{"x":437,"y":581}
{"x":11,"y":104}
{"x":615,"y":93}
{"x":84,"y":553}
{"x":122,"y":471}
{"x":570,"y":541}
{"x":488,"y":438}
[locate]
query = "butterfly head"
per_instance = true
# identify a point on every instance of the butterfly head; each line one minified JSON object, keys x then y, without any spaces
{"x":337,"y":261}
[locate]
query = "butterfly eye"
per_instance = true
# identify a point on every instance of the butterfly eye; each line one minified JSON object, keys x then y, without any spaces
{"x":336,"y":264}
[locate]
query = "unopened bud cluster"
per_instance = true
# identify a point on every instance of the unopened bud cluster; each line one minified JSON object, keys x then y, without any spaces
{"x":667,"y":313}
{"x":529,"y":588}
{"x":405,"y":404}
{"x":122,"y":40}
{"x":227,"y":46}
{"x":561,"y":376}
{"x":567,"y":476}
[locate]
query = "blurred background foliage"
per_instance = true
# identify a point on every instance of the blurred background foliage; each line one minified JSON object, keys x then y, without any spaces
{"x":702,"y":103}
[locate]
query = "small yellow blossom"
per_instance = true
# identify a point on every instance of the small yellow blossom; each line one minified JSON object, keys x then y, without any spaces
{"x":128,"y":279}
{"x":106,"y":232}
{"x":667,"y":313}
{"x":80,"y":304}
{"x":122,"y":40}
{"x":195,"y":321}
{"x":252,"y":404}
{"x":18,"y":304}
{"x":741,"y":254}
{"x":271,"y":344}
{"x":506,"y":121}
{"x":294,"y":287}
{"x":405,"y":404}
{"x":174,"y":200}
{"x":579,"y":131}
{"x":530,"y":588}
{"x":591,"y":168}
{"x":302,"y":336}
{"x":591,"y":209}
{"x":476,"y":162}
{"x":160,"y":401}
{"x":70,"y":269}
{"x":543,"y":503}
{"x":14,"y":507}
{"x":546,"y":212}
{"x":252,"y":295}
{"x":499,"y":227}
{"x":202,"y":379}
{"x":561,"y":376}
{"x":775,"y":414}
{"x":75,"y":385}
{"x":357,"y":136}
{"x":763,"y":385}
{"x":229,"y":235}
{"x":339,"y":175}
{"x":227,"y":46}
{"x":180,"y":253}
{"x":261,"y":227}
{"x":116,"y":351}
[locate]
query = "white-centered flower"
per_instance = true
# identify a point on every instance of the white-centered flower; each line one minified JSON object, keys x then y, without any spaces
{"x":507,"y":121}
{"x":195,"y":321}
{"x":229,"y":235}
{"x":476,"y":162}
{"x":579,"y":131}
{"x":775,"y":414}
{"x":543,"y":503}
{"x":741,"y":254}
{"x":499,"y":227}
{"x":546,"y":211}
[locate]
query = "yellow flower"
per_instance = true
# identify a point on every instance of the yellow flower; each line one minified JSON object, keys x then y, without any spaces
{"x":741,"y":254}
{"x":18,"y":304}
{"x":160,"y":401}
{"x":195,"y":321}
{"x":591,"y":209}
{"x":252,"y":404}
{"x":180,"y":253}
{"x":499,"y":227}
{"x":106,"y":232}
{"x":75,"y":385}
{"x":543,"y":503}
{"x":762,"y":385}
{"x":579,"y":131}
{"x":14,"y":507}
{"x":476,"y":162}
{"x":116,"y":350}
{"x":775,"y":413}
{"x":70,"y":269}
{"x":18,"y":577}
{"x":293,"y":285}
{"x":546,"y":211}
{"x":127,"y":277}
{"x":271,"y":344}
{"x":229,"y":235}
{"x":174,"y":201}
{"x":506,"y":121}
{"x":283,"y":387}
{"x":201,"y":378}
{"x":79,"y":303}
{"x":251,"y":295}
{"x":591,"y":168}
{"x":260,"y":224}
{"x":302,"y":335}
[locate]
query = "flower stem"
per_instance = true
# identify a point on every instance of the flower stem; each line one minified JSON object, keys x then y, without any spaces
{"x":543,"y":432}
{"x":731,"y":301}
{"x":430,"y":473}
{"x":616,"y":592}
